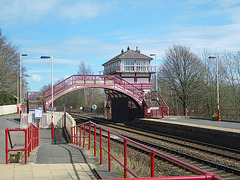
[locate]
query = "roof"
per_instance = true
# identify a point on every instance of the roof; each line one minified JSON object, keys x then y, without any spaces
{"x":129,"y":54}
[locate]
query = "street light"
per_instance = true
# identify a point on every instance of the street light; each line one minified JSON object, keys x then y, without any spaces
{"x":20,"y":96}
{"x":155,"y":67}
{"x":218,"y":109}
{"x":50,"y":57}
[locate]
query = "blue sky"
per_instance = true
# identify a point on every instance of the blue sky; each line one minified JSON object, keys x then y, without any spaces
{"x":94,"y":31}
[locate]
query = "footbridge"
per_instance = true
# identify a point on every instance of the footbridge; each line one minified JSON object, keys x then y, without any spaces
{"x":108,"y":82}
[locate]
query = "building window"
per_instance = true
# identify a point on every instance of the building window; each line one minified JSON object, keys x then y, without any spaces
{"x":142,"y":66}
{"x":128,"y":66}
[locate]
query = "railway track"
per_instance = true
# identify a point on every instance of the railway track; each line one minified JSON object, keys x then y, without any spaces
{"x":221,"y":161}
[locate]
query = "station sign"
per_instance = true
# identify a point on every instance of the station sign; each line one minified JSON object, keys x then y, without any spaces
{"x":38,"y":112}
{"x":52,"y":108}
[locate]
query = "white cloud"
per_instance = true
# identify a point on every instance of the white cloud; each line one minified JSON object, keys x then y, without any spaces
{"x":35,"y":78}
{"x":15,"y":11}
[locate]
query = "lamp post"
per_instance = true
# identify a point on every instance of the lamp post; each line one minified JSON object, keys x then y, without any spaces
{"x":155,"y":67}
{"x":50,"y":57}
{"x":20,"y":75}
{"x":218,"y":109}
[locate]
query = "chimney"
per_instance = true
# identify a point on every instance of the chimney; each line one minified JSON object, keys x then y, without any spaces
{"x":137,"y":50}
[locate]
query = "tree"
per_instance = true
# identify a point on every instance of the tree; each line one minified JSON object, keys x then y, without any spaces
{"x":182,"y":75}
{"x":86,"y":70}
{"x":9,"y":63}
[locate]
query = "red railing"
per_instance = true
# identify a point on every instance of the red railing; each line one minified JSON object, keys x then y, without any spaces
{"x":227,"y":114}
{"x":78,"y":140}
{"x":31,"y":140}
{"x":102,"y":81}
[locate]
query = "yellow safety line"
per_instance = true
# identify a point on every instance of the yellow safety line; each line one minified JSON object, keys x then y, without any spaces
{"x":198,"y":125}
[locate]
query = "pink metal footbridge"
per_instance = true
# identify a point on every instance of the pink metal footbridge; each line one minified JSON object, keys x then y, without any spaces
{"x":75,"y":82}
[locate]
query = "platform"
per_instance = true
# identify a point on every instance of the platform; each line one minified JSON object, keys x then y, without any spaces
{"x":49,"y":160}
{"x":224,"y":125}
{"x":223,"y":133}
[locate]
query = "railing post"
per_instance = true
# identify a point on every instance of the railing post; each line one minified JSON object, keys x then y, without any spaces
{"x":152,"y":164}
{"x":77,"y":135}
{"x":89,"y":139}
{"x":29,"y":139}
{"x":38,"y":132}
{"x":162,"y":112}
{"x":52,"y":130}
{"x":84,"y":129}
{"x":125,"y":158}
{"x":227,"y":114}
{"x":100,"y":145}
{"x":6,"y":139}
{"x":94,"y":140}
{"x":26,"y":146}
{"x":72,"y":135}
{"x":80,"y":140}
{"x":109,"y":152}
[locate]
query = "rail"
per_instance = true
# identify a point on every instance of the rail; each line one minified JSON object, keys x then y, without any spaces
{"x":31,"y":140}
{"x":79,"y":140}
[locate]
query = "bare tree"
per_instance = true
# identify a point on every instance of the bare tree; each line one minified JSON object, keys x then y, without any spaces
{"x":9,"y":66}
{"x":182,"y":75}
{"x":85,"y":69}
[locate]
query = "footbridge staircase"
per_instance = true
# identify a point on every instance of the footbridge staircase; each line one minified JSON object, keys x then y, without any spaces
{"x":147,"y":101}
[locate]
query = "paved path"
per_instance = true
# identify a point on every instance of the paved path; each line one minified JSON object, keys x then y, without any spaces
{"x":48,"y":161}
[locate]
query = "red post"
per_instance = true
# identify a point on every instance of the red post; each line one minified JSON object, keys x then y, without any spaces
{"x":89,"y":139}
{"x":74,"y":132}
{"x":77,"y":135}
{"x":94,"y":140}
{"x":125,"y":158}
{"x":84,"y":130}
{"x":218,"y":110}
{"x":6,"y":139}
{"x":80,"y":140}
{"x":72,"y":135}
{"x":26,"y":148}
{"x":109,"y":152}
{"x":227,"y":114}
{"x":52,"y":130}
{"x":38,"y":132}
{"x":100,"y":145}
{"x":152,"y":164}
{"x":162,"y":112}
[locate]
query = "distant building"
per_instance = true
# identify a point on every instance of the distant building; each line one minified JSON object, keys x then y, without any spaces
{"x":133,"y":67}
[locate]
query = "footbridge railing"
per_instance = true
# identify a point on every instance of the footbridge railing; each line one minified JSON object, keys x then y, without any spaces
{"x":75,"y":82}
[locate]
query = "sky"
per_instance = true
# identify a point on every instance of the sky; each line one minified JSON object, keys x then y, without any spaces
{"x":94,"y":31}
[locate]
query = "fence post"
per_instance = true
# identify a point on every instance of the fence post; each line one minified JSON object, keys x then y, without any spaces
{"x":162,"y":112}
{"x":94,"y":140}
{"x":26,"y":145}
{"x":77,"y":135}
{"x":72,"y":135}
{"x":80,"y":140}
{"x":38,"y":132}
{"x":6,"y":138}
{"x":89,"y":139}
{"x":109,"y":152}
{"x":125,"y":158}
{"x":100,"y":145}
{"x":152,"y":164}
{"x":84,"y":129}
{"x":227,"y":114}
{"x":52,"y":130}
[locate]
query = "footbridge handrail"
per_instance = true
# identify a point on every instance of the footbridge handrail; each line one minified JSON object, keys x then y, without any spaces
{"x":85,"y":81}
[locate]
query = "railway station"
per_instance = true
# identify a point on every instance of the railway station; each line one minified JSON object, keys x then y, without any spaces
{"x":138,"y":136}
